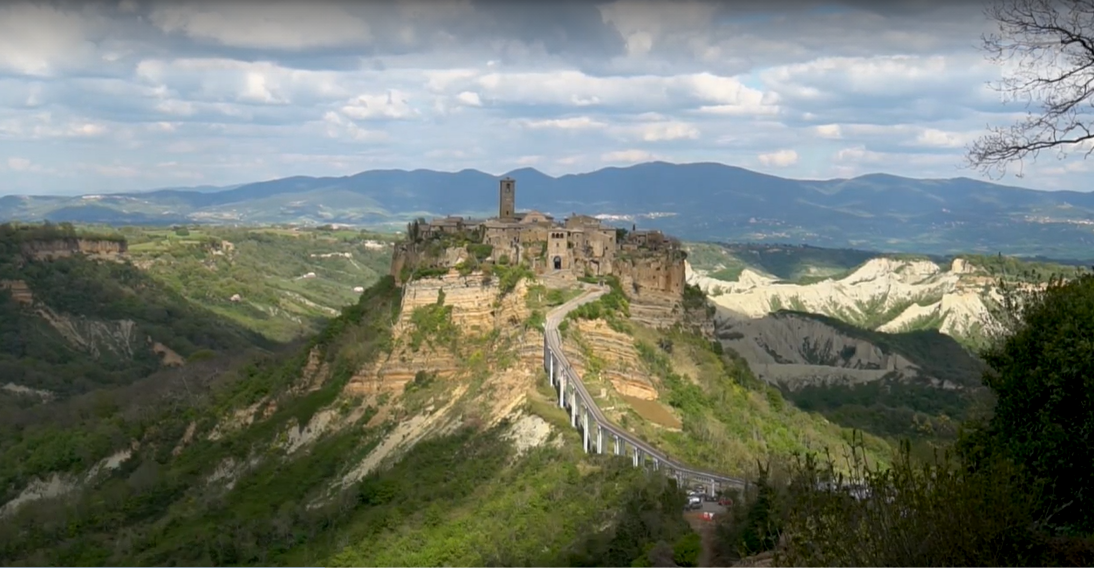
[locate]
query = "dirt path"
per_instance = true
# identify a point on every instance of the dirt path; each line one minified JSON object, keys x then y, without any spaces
{"x":706,"y":534}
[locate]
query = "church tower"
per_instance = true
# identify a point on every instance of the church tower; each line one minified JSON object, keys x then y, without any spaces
{"x":507,"y":199}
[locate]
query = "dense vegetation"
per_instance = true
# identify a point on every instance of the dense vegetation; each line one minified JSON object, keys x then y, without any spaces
{"x":894,"y":409}
{"x":92,"y":324}
{"x":1014,"y":490}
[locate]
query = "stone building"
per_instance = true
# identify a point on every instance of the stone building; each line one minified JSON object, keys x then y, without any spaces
{"x":580,"y":245}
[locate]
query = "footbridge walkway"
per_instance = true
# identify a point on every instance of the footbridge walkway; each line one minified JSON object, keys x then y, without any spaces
{"x":595,"y":428}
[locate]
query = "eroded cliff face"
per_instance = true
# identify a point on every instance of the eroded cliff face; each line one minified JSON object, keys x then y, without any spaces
{"x":19,"y":291}
{"x":120,"y":338}
{"x":798,"y":351}
{"x":482,"y":378}
{"x":477,"y":309}
{"x":617,"y":360}
{"x":654,"y":284}
{"x":886,"y":294}
{"x":662,"y":272}
{"x":416,"y":256}
{"x":59,"y":248}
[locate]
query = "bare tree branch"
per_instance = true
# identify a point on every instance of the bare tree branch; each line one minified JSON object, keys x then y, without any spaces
{"x":1046,"y":50}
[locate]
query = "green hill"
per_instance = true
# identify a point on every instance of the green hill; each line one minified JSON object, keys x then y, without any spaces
{"x":392,"y":437}
{"x":70,"y":324}
{"x":281,"y":282}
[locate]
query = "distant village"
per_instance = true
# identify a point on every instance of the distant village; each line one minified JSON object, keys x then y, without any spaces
{"x":580,"y":245}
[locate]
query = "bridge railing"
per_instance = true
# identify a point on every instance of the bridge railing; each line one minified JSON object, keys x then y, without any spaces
{"x":568,"y":376}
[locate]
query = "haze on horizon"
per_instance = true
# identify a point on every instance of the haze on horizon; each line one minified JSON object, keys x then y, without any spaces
{"x":130,"y":95}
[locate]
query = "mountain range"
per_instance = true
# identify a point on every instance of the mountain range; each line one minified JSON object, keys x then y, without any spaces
{"x":699,"y":202}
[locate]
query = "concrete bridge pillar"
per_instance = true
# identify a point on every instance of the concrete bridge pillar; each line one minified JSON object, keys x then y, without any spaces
{"x":599,"y":438}
{"x":573,"y":409}
{"x":637,"y":456}
{"x":655,"y":463}
{"x":618,"y":450}
{"x":551,"y":368}
{"x":585,"y":429}
{"x":562,"y":389}
{"x":713,"y":487}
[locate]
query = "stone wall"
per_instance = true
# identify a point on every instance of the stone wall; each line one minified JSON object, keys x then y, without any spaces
{"x":653,"y":271}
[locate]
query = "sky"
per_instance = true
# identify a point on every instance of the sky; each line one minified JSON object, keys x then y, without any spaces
{"x":118,"y":96}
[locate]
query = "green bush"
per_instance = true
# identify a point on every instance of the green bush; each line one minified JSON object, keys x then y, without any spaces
{"x":687,"y":549}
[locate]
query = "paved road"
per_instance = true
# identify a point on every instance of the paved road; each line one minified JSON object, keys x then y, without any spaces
{"x":554,"y":345}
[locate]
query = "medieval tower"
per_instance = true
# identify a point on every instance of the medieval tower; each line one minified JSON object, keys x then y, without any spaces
{"x":507,"y":199}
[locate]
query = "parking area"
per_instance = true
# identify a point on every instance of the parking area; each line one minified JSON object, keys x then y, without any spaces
{"x":699,"y":502}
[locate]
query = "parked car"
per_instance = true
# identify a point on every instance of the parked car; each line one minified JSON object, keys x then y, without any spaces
{"x":725,"y":502}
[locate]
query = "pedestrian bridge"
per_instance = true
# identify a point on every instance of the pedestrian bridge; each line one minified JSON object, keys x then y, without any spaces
{"x":596,"y":430}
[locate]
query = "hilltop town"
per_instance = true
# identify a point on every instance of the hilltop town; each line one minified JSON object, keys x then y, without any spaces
{"x":645,"y":261}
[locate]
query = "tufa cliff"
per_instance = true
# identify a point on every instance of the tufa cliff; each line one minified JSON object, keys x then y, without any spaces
{"x":68,"y":246}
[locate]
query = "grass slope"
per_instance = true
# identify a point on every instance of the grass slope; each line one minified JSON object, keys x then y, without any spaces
{"x":266,"y":267}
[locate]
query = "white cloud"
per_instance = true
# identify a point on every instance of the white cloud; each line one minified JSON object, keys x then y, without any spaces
{"x":343,"y":128}
{"x":627,"y":156}
{"x":831,"y":131}
{"x":858,"y":154}
{"x":147,"y":94}
{"x":393,"y":105}
{"x":468,"y":98}
{"x":779,"y":159}
{"x":661,"y":132}
{"x":570,"y":123}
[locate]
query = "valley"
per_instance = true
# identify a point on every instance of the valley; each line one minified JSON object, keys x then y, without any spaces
{"x":417,"y":426}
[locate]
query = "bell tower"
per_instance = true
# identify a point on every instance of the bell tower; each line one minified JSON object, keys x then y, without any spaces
{"x":507,"y":199}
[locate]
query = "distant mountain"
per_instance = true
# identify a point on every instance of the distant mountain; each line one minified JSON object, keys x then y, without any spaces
{"x":702,"y":201}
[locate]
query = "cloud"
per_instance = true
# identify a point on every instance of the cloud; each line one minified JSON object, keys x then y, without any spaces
{"x":147,"y":93}
{"x":831,"y":131}
{"x":628,"y":156}
{"x":279,"y":25}
{"x":391,"y":105}
{"x":779,"y":159}
{"x":569,"y":123}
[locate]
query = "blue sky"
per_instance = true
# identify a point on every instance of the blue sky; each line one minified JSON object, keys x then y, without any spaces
{"x":111,"y":96}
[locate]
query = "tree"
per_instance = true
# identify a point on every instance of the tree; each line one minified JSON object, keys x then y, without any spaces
{"x":1042,"y":375}
{"x":1048,"y":49}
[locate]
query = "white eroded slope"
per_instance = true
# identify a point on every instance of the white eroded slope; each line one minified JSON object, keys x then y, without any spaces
{"x":886,"y":294}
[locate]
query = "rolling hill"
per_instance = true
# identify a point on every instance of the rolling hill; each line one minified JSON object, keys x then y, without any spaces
{"x":701,"y":201}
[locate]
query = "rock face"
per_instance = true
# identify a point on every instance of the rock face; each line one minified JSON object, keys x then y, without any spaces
{"x":797,"y":351}
{"x":884,"y":294}
{"x":96,"y":337}
{"x":93,"y":336}
{"x":661,"y":271}
{"x":58,"y":248}
{"x":19,"y":291}
{"x":477,"y":308}
{"x":621,"y":365}
{"x":475,"y":305}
